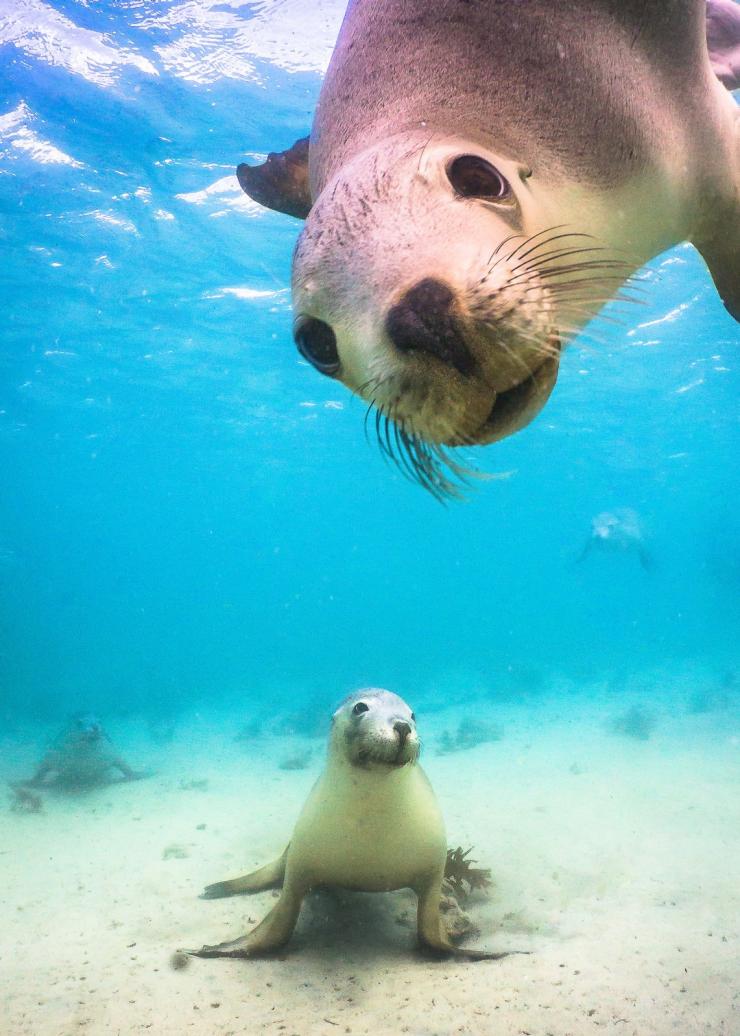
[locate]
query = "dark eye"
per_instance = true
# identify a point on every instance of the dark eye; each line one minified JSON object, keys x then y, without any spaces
{"x":413,"y":717}
{"x":359,"y":708}
{"x":474,"y":177}
{"x":317,"y":343}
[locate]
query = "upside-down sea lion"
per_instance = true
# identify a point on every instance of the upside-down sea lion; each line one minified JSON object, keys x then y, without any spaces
{"x":480,"y":179}
{"x":371,"y":823}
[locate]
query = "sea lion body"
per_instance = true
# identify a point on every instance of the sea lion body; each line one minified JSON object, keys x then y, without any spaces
{"x":82,"y":755}
{"x":369,"y":851}
{"x":593,"y":135}
{"x":619,"y":531}
{"x":371,"y":823}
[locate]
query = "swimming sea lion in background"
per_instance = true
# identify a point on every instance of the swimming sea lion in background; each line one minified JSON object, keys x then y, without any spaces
{"x":81,"y":756}
{"x":479,"y":180}
{"x":371,"y":823}
{"x":619,"y":530}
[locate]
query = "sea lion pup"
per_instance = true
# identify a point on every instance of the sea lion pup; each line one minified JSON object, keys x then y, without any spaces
{"x":619,"y":530}
{"x":480,"y":179}
{"x":371,"y":823}
{"x":82,"y":755}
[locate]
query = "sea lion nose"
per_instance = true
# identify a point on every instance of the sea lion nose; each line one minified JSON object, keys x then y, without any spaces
{"x":402,"y":729}
{"x":423,"y":320}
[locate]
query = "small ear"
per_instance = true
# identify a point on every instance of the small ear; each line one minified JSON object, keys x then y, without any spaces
{"x":280,"y":183}
{"x":723,"y":40}
{"x":720,"y":249}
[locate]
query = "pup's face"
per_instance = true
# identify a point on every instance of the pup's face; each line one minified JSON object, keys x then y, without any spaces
{"x":375,"y":729}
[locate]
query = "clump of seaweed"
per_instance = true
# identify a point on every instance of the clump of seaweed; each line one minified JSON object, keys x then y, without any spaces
{"x":461,"y":877}
{"x":636,"y":723}
{"x":470,"y":732}
{"x":175,"y":852}
{"x":24,"y":800}
{"x":457,"y":921}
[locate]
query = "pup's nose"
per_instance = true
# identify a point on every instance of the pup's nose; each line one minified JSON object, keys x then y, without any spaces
{"x":402,"y":729}
{"x":423,"y":320}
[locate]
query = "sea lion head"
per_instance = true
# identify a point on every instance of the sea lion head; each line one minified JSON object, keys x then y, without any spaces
{"x":375,"y":729}
{"x":86,"y":728}
{"x":622,"y":527}
{"x":431,"y":280}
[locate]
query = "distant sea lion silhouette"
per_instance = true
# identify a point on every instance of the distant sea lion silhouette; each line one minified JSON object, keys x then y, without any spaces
{"x":617,"y":531}
{"x":371,"y":823}
{"x":81,"y":756}
{"x":480,"y":179}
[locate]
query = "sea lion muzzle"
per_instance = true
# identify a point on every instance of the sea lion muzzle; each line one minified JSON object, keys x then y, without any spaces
{"x":424,"y":320}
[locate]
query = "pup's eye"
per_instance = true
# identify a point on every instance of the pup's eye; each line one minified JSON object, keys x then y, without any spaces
{"x":359,"y":708}
{"x":474,"y":177}
{"x":413,"y":717}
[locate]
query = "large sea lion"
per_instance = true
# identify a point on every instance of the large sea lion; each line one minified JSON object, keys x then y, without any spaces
{"x":480,"y":179}
{"x":371,"y":823}
{"x":81,"y":756}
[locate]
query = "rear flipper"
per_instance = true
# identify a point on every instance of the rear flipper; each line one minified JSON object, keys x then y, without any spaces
{"x":267,"y":877}
{"x":280,"y":183}
{"x":433,"y":937}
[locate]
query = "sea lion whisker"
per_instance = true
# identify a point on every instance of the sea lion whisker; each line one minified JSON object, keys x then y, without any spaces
{"x":505,"y":241}
{"x":575,"y":290}
{"x":387,"y":437}
{"x":593,"y":266}
{"x":584,"y":264}
{"x":430,"y":461}
{"x":640,"y":298}
{"x":370,"y":406}
{"x":502,"y":257}
{"x":547,"y":241}
{"x":537,"y":261}
{"x":407,"y":468}
{"x":532,"y":237}
{"x":416,"y":463}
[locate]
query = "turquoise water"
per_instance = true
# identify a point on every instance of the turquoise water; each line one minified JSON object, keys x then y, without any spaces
{"x":191,"y":515}
{"x":200,"y":547}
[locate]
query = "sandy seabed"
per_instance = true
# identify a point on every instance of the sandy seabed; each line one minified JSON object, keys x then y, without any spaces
{"x":616,"y":863}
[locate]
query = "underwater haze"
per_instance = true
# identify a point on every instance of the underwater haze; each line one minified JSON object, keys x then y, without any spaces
{"x":195,"y":525}
{"x":190,"y":513}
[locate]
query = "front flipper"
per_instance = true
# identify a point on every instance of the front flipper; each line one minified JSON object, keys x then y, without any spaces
{"x":280,"y":183}
{"x":433,"y":937}
{"x":270,"y":934}
{"x":719,"y":244}
{"x":267,"y":877}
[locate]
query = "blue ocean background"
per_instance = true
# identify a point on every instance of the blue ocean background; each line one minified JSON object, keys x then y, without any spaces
{"x":191,"y":517}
